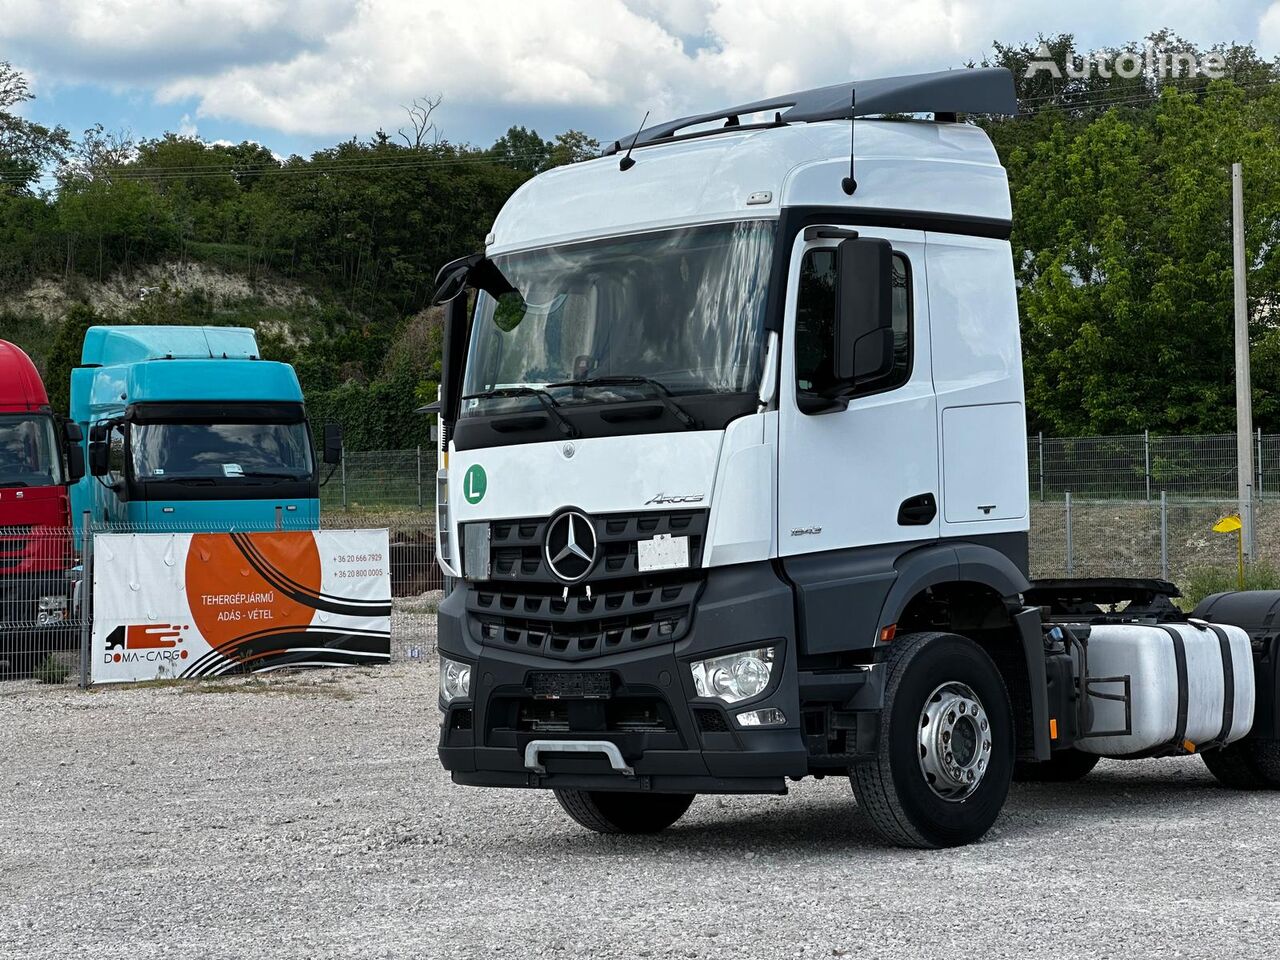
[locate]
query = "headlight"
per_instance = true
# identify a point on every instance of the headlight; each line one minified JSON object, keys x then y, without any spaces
{"x":455,"y":680}
{"x":734,"y":677}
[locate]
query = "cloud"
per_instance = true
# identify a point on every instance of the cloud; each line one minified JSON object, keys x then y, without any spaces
{"x":324,"y":68}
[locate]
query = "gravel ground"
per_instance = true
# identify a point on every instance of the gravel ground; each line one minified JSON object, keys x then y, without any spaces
{"x":307,"y":816}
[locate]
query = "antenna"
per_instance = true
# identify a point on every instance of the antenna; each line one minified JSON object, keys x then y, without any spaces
{"x":849,"y":184}
{"x":626,"y":163}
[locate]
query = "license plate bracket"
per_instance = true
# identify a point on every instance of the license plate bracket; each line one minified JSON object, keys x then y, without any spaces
{"x":570,"y":685}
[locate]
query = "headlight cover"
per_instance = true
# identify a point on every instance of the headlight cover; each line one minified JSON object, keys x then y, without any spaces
{"x":455,"y":680}
{"x":734,"y":676}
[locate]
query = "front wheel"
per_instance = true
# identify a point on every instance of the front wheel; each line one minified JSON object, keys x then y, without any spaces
{"x":612,"y":812}
{"x":945,"y":758}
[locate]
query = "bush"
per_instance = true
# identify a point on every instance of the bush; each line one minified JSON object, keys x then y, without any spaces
{"x":52,"y":669}
{"x":1203,"y":581}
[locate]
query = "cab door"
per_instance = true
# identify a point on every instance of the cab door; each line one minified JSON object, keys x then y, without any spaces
{"x":866,"y":474}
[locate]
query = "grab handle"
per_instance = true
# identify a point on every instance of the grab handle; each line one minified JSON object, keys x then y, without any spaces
{"x":537,"y":747}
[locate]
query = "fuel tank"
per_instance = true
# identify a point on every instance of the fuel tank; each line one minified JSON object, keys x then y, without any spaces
{"x":1165,"y":687}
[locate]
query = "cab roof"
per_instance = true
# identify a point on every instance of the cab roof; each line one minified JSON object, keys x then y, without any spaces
{"x":934,"y":169}
{"x":21,"y":389}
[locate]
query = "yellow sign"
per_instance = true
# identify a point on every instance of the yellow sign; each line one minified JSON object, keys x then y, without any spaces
{"x":1228,"y":524}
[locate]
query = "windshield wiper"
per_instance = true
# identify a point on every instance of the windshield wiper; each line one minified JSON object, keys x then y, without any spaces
{"x":267,"y":475}
{"x":548,"y":402}
{"x":661,"y":391}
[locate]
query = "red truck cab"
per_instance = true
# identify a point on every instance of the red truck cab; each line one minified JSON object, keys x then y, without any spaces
{"x":39,"y":456}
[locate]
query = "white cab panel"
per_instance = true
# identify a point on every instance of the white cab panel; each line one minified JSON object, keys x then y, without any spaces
{"x":974,"y":438}
{"x":977,"y":373}
{"x":842,"y":476}
{"x":742,"y":524}
{"x":604,"y":475}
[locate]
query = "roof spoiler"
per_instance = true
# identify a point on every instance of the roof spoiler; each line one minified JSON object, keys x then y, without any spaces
{"x":987,"y":90}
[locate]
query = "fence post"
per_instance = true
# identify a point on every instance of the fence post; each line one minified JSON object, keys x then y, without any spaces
{"x":1251,"y":544}
{"x":86,"y":600}
{"x":1164,"y":536}
{"x":343,"y":464}
{"x":1070,"y":551}
{"x":419,"y":476}
{"x":1146,"y":456}
{"x":1259,"y":470}
{"x":1042,"y":466}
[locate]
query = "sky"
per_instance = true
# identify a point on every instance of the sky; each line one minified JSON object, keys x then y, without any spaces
{"x":298,"y":75}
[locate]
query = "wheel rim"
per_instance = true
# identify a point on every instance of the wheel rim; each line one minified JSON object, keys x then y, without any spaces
{"x":954,"y":741}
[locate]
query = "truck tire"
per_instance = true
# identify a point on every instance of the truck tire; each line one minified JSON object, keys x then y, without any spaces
{"x":945,"y":755}
{"x":1246,"y":764}
{"x":607,"y":811}
{"x":1065,"y":766}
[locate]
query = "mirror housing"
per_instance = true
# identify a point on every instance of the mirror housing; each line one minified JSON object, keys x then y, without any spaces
{"x":864,"y":310}
{"x":332,"y":453}
{"x":73,"y":448}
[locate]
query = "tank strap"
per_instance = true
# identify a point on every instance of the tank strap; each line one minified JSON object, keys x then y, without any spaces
{"x":1228,"y":686}
{"x":1184,"y":704}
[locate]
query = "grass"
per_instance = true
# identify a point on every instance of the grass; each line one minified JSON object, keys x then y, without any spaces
{"x":52,"y":669}
{"x":1201,"y":582}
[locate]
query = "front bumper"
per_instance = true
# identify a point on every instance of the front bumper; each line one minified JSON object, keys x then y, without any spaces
{"x":670,"y":739}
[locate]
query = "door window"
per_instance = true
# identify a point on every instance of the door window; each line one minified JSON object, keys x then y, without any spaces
{"x":815,"y":325}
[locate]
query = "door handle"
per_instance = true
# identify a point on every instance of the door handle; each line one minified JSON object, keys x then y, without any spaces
{"x":917,"y":511}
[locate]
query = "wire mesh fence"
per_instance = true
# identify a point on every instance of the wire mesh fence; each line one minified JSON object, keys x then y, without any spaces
{"x":1141,"y":466}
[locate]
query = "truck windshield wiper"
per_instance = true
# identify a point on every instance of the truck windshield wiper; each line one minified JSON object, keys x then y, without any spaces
{"x":267,"y":475}
{"x":661,"y":391}
{"x":548,"y":402}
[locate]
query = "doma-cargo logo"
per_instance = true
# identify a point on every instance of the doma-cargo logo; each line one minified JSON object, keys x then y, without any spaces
{"x":135,"y":642}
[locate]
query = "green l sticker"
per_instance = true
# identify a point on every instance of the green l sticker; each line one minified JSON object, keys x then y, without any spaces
{"x":474,"y":483}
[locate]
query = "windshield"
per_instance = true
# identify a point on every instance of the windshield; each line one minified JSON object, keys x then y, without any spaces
{"x":29,"y":454}
{"x":682,"y":307}
{"x":173,"y":451}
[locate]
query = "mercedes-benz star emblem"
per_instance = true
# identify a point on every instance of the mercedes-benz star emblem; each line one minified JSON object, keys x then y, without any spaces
{"x":571,"y":546}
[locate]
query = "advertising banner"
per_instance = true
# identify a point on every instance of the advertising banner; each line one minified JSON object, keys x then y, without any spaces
{"x":205,"y":604}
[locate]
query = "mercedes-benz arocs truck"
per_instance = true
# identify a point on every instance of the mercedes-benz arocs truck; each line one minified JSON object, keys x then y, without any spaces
{"x":40,"y":455}
{"x":735,"y":488}
{"x":189,"y":429}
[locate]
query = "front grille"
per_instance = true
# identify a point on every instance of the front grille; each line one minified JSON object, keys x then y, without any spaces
{"x":625,"y":617}
{"x":711,"y":721}
{"x":516,"y":546}
{"x":625,"y":715}
{"x":14,"y":543}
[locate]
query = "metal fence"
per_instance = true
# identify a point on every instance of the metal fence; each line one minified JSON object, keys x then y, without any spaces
{"x":46,"y":601}
{"x":1141,"y":466}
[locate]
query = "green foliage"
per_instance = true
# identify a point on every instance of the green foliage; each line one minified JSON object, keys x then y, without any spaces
{"x":1122,"y":244}
{"x":1202,"y":582}
{"x":52,"y":669}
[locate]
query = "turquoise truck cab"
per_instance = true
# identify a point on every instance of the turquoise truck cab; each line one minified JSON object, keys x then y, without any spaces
{"x":189,"y":429}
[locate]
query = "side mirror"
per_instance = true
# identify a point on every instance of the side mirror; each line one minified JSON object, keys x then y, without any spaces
{"x":99,"y":451}
{"x":72,"y":445}
{"x":332,"y":443}
{"x":864,"y":310}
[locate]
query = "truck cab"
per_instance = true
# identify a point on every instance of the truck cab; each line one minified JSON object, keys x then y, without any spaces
{"x":40,"y":456}
{"x":189,"y":429}
{"x":735,"y":484}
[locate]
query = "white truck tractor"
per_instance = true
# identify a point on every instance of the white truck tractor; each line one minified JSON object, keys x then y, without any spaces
{"x":734,"y":489}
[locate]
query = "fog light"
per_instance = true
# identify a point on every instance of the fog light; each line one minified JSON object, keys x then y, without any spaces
{"x":734,"y":677}
{"x":768,"y":717}
{"x":455,"y":680}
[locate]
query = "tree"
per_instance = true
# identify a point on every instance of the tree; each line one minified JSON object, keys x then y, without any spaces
{"x":25,"y":147}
